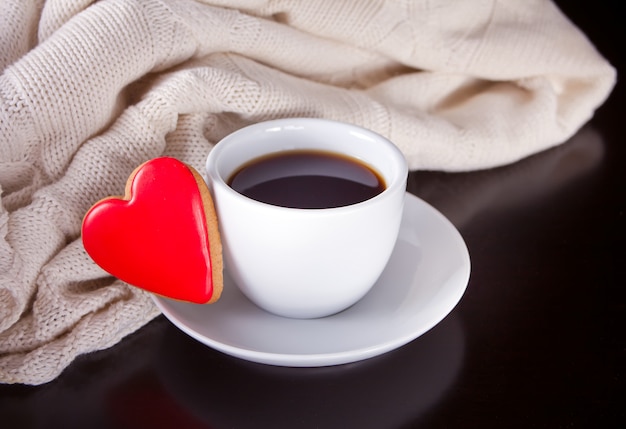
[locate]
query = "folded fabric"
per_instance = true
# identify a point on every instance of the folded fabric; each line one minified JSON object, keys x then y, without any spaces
{"x":91,"y":89}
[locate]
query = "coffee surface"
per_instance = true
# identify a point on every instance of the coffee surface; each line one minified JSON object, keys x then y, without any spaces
{"x":307,"y":179}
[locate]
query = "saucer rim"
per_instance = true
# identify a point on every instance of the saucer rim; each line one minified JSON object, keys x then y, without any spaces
{"x":345,"y":356}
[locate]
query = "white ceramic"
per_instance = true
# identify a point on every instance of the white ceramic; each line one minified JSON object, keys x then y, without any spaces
{"x":426,"y":277}
{"x":306,"y":263}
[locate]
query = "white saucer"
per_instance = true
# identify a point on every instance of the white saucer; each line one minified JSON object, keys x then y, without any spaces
{"x":424,"y":280}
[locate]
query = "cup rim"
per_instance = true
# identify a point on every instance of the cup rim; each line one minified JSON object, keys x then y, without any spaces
{"x":214,"y":178}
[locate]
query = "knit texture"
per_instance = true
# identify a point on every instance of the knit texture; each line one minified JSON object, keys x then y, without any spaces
{"x":91,"y":89}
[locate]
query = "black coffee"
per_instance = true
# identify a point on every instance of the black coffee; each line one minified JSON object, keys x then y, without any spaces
{"x":307,"y":179}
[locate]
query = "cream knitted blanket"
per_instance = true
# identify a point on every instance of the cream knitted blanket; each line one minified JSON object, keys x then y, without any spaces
{"x":90,"y":89}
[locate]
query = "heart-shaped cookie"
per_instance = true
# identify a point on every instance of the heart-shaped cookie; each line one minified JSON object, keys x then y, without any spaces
{"x":162,"y":235}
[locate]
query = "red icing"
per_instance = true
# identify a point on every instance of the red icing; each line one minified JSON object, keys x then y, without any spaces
{"x":156,"y":237}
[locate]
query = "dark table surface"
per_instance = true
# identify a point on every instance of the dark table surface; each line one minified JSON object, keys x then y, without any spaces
{"x":538,"y":340}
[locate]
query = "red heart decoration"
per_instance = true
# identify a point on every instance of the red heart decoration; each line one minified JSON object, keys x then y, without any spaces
{"x":162,"y":235}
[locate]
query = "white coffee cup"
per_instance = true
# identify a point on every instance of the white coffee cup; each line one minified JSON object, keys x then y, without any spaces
{"x":306,"y":263}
